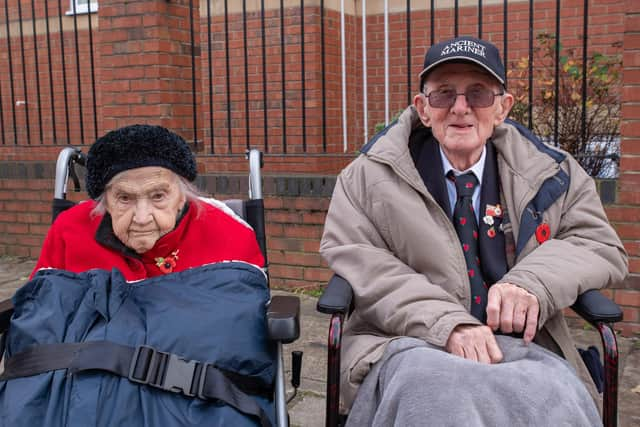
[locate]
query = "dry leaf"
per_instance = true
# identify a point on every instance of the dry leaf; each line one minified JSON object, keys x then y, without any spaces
{"x":636,"y":389}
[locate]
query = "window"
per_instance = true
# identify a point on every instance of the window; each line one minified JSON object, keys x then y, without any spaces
{"x":82,"y":6}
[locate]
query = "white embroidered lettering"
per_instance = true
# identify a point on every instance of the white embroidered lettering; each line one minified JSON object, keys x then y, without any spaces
{"x":464,"y":46}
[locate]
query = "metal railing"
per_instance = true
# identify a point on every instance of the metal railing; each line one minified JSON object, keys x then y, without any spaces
{"x":309,"y":80}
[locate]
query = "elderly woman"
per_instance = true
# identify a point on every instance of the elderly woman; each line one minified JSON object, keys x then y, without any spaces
{"x":89,"y":345}
{"x":146,"y":218}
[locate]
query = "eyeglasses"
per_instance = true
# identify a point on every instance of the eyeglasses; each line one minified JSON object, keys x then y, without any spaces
{"x":476,"y":96}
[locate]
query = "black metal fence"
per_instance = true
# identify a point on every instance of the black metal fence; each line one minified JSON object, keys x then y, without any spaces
{"x":49,"y":93}
{"x":31,"y":85}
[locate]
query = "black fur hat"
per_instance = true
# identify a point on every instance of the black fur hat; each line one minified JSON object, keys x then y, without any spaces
{"x":134,"y":147}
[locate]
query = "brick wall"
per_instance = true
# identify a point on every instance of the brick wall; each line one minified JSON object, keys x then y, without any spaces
{"x":625,"y":215}
{"x":142,"y":60}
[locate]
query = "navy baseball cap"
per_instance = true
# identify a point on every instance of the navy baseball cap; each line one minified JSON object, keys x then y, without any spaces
{"x":465,"y":48}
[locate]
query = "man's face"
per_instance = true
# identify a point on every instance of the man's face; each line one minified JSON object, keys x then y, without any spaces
{"x":460,"y":129}
{"x":144,"y":204}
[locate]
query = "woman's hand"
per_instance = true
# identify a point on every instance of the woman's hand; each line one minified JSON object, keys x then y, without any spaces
{"x":511,"y":308}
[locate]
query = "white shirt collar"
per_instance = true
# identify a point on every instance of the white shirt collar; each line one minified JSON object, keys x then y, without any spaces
{"x":477,"y":169}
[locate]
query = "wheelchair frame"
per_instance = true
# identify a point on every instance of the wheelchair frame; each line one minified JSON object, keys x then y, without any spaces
{"x":283,"y":313}
{"x":593,"y":306}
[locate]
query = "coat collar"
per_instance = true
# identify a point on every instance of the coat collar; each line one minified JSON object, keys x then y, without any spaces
{"x":515,"y":152}
{"x":426,"y":156}
{"x":391,"y":148}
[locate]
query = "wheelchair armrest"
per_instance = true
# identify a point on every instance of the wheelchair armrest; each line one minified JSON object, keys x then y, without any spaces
{"x":6,"y":311}
{"x":594,"y":307}
{"x":336,"y":298}
{"x":283,"y":318}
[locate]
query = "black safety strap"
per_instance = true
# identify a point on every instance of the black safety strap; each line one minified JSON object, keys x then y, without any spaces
{"x":144,"y":365}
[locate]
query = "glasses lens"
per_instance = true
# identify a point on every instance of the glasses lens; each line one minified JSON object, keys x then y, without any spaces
{"x":443,"y":98}
{"x":479,"y":97}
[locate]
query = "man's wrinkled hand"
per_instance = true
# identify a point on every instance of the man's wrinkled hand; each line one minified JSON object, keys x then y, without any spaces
{"x":511,"y":308}
{"x":474,"y":342}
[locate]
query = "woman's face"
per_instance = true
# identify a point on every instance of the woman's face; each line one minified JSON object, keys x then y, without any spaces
{"x":144,"y":204}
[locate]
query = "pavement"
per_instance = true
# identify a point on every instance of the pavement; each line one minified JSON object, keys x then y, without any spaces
{"x":307,"y":409}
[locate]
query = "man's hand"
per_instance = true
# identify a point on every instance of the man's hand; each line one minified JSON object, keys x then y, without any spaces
{"x":474,"y":342}
{"x":512,"y":309}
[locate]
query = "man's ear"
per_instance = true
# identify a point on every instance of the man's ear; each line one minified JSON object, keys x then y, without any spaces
{"x":420,"y":102}
{"x":506,"y":103}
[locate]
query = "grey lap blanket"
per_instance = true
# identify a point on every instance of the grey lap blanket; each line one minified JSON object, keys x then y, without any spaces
{"x":416,"y":384}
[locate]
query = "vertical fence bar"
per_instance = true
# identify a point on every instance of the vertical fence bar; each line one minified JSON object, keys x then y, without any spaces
{"x":246,"y":73}
{"x":324,"y":91}
{"x":408,"y":13}
{"x":2,"y":129}
{"x":343,"y":61}
{"x":75,"y":37}
{"x":24,"y":74}
{"x":64,"y":71}
{"x":530,"y":107}
{"x":51,"y":95}
{"x":455,"y":17}
{"x":433,"y":22}
{"x":365,"y":89}
{"x":226,"y":49}
{"x":212,"y":148}
{"x":585,"y":30}
{"x":2,"y":118}
{"x":193,"y":76}
{"x":302,"y":79}
{"x":386,"y":62}
{"x":210,"y":71}
{"x":283,"y":71}
{"x":505,"y":15}
{"x":264,"y":79}
{"x":557,"y":78}
{"x":35,"y":54}
{"x":9,"y":56}
{"x":93,"y":75}
{"x":479,"y":19}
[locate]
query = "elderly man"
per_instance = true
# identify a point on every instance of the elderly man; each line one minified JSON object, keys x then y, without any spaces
{"x":146,"y":218}
{"x":464,"y":237}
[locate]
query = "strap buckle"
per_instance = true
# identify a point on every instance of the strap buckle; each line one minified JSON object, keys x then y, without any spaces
{"x":201,"y":382}
{"x":165,"y":371}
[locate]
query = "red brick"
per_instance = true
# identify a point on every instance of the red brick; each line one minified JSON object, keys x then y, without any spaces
{"x":627,"y":298}
{"x":318,"y":274}
{"x":631,"y":315}
{"x":632,"y":247}
{"x":634,"y":265}
{"x":286,"y":271}
{"x":622,"y":213}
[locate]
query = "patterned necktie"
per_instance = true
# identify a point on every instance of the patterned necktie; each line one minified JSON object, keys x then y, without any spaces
{"x":464,"y":221}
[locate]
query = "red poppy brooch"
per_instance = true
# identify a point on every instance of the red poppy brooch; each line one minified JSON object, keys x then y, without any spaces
{"x":543,"y":232}
{"x":168,"y":263}
{"x":491,"y":213}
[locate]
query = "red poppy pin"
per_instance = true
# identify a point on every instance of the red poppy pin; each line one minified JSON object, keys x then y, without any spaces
{"x":168,"y":263}
{"x":543,"y":232}
{"x":495,"y":211}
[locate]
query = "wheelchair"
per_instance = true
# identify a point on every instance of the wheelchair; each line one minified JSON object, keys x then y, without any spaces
{"x":592,"y":306}
{"x":282,"y":314}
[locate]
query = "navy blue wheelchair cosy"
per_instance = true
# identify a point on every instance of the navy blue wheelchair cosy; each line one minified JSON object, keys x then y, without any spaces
{"x":214,"y":313}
